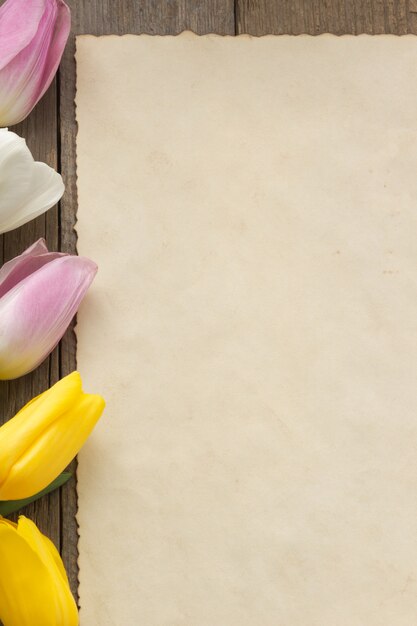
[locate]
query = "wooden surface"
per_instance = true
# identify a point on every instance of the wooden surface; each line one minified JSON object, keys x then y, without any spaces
{"x":50,"y":132}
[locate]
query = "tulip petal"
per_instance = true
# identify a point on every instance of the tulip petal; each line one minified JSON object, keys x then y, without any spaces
{"x":56,"y":558}
{"x":47,"y":189}
{"x":36,"y":249}
{"x":26,"y":77}
{"x":43,"y":547}
{"x":40,"y":461}
{"x":35,"y":313}
{"x":56,"y":48}
{"x":32,"y":588}
{"x":21,"y":432}
{"x":19,"y":22}
{"x":19,"y":79}
{"x":32,"y":259}
{"x":28,"y":188}
{"x":21,"y":567}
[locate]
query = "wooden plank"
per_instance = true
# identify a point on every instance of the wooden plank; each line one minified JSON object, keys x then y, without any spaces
{"x":100,"y":17}
{"x":260,"y":17}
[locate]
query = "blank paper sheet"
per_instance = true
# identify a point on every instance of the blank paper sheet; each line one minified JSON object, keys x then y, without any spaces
{"x":252,"y":207}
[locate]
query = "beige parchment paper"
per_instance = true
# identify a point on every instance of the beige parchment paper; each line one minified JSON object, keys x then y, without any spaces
{"x":252,"y":207}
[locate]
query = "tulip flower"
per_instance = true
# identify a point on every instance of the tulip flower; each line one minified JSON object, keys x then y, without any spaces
{"x":28,"y":188}
{"x":34,"y":588}
{"x":33,"y":34}
{"x":42,"y":439}
{"x":40,"y":292}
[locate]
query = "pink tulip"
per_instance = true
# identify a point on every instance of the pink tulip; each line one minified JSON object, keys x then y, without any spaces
{"x":33,"y":34}
{"x":40,"y":292}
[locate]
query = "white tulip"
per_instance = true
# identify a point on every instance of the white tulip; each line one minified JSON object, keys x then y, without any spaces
{"x":27,"y":188}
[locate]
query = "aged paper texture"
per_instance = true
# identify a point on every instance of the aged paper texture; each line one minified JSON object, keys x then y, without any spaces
{"x":252,"y":207}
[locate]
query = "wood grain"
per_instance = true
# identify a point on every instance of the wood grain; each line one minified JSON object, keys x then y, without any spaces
{"x":314,"y":17}
{"x":50,"y":131}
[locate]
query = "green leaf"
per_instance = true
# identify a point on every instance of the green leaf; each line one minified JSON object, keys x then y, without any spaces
{"x":11,"y":506}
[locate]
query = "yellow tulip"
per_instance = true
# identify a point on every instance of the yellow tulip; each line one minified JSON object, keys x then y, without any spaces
{"x":40,"y":441}
{"x":34,"y":589}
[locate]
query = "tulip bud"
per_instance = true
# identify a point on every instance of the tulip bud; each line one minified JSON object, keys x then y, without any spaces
{"x":33,"y":34}
{"x":42,"y":439}
{"x":34,"y":588}
{"x":28,"y":188}
{"x":40,"y":292}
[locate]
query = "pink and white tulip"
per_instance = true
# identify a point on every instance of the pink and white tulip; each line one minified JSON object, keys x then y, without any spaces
{"x":33,"y":34}
{"x":40,"y":292}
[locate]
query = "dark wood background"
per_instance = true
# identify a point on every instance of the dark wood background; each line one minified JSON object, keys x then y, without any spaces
{"x":50,"y":132}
